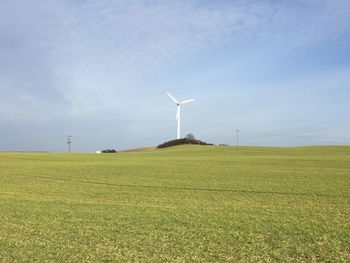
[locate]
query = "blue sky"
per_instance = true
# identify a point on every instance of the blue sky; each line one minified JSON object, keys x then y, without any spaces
{"x":98,"y":70}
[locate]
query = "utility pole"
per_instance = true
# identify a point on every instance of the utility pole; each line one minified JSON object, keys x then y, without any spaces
{"x":69,"y":141}
{"x":237,"y":132}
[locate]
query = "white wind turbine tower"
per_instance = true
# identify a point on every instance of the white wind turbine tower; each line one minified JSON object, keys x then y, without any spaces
{"x":178,"y":103}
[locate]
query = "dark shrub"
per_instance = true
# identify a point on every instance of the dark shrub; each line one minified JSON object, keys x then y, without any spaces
{"x":181,"y":142}
{"x":109,"y":151}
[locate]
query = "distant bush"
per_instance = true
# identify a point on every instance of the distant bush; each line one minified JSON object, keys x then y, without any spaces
{"x":109,"y":151}
{"x":190,"y":136}
{"x":181,"y":142}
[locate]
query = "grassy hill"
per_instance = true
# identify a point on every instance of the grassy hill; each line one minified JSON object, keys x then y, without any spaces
{"x":180,"y":204}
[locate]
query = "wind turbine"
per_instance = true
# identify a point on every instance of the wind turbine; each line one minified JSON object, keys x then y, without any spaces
{"x":178,"y":103}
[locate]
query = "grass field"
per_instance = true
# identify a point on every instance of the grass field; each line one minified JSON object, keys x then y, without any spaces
{"x":182,"y":204}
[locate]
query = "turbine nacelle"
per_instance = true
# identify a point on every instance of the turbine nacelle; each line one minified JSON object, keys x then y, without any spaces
{"x":178,"y":103}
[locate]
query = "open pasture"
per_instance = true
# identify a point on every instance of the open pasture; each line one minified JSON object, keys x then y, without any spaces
{"x":181,"y":204}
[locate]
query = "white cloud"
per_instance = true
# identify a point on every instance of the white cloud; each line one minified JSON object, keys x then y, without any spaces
{"x":128,"y":37}
{"x":138,"y":35}
{"x":27,"y":74}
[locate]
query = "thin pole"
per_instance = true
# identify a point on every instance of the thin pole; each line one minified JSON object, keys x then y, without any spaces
{"x":69,"y":141}
{"x":178,"y":135}
{"x":237,"y":136}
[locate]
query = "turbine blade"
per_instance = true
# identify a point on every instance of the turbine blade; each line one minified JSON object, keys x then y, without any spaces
{"x":186,"y":101}
{"x":171,"y":96}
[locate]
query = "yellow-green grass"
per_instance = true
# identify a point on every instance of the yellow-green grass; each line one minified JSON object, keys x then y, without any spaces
{"x":181,"y":204}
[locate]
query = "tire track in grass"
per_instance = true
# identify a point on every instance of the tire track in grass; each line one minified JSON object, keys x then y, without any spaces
{"x":187,"y":188}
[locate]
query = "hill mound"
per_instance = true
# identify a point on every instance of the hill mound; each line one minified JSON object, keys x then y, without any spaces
{"x":182,"y":142}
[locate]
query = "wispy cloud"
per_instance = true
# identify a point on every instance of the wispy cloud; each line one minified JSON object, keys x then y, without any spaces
{"x":129,"y":39}
{"x":137,"y":34}
{"x":27,"y":73}
{"x":64,"y":50}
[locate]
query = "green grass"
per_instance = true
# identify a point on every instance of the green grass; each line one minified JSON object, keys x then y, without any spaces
{"x":182,"y":204}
